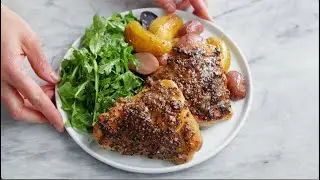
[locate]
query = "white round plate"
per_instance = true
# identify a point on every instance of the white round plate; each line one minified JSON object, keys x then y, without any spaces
{"x":214,"y":138}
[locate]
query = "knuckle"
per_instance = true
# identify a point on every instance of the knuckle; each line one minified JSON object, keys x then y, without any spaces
{"x":31,"y":39}
{"x":37,"y":100}
{"x":43,"y":65}
{"x":12,"y":73}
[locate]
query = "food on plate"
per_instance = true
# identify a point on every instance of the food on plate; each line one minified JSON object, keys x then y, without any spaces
{"x":144,"y":41}
{"x":224,"y":52}
{"x":200,"y":77}
{"x":193,"y":26}
{"x":166,"y":27}
{"x":155,"y":123}
{"x":146,"y":18}
{"x":175,"y":41}
{"x":236,"y":85}
{"x":148,"y":63}
{"x":181,"y":83}
{"x":193,"y":44}
{"x":190,"y":44}
{"x":163,"y":59}
{"x":97,"y":73}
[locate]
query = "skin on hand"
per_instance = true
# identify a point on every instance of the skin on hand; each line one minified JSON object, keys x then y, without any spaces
{"x":22,"y":96}
{"x":199,"y":6}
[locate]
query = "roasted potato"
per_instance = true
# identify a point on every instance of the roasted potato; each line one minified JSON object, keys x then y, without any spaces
{"x":148,"y":63}
{"x":166,"y":27}
{"x":194,"y":26}
{"x":188,"y":40}
{"x":191,"y":44}
{"x":224,"y":52}
{"x":236,"y":85}
{"x":144,"y":41}
{"x":163,"y":60}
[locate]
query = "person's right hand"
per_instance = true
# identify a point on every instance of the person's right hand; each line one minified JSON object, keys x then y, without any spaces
{"x":22,"y":96}
{"x":199,"y":6}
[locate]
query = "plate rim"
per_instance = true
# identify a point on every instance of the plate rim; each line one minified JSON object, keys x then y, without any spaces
{"x":182,"y":166}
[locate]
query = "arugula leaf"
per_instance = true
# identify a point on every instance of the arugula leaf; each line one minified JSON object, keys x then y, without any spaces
{"x":97,"y":72}
{"x":106,"y":67}
{"x":81,"y":118}
{"x":94,"y":34}
{"x":130,"y":17}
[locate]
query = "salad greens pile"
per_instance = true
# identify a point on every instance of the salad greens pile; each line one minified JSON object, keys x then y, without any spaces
{"x":97,"y":72}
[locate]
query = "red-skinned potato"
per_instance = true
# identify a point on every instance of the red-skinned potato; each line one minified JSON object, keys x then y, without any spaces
{"x":192,"y":26}
{"x":163,"y":59}
{"x":236,"y":85}
{"x":190,"y":44}
{"x":188,"y":40}
{"x":148,"y":63}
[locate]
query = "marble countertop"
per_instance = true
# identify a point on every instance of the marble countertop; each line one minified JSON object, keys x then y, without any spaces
{"x":280,"y":39}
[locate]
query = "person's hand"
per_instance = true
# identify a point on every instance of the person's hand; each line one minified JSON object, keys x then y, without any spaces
{"x":199,"y":6}
{"x":22,"y":96}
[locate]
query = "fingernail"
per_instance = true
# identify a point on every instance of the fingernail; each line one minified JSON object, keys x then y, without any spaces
{"x":203,"y":15}
{"x":54,"y":76}
{"x":169,"y":7}
{"x":58,"y":128}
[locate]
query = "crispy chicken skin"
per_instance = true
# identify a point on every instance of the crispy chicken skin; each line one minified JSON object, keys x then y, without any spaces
{"x":196,"y":69}
{"x":155,"y":123}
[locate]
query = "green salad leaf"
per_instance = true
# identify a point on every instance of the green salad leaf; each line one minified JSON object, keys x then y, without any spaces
{"x":97,"y":72}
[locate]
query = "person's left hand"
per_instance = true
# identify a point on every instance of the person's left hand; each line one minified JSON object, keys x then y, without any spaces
{"x":199,"y":6}
{"x":22,"y":96}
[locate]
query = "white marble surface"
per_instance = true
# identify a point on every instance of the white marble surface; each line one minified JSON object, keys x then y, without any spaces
{"x":280,"y":139}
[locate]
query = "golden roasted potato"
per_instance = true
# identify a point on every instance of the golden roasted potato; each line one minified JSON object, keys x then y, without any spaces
{"x":144,"y":41}
{"x":166,"y":27}
{"x":224,"y":52}
{"x":157,"y":23}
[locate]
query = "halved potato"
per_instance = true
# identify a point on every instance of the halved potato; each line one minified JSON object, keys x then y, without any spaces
{"x":224,"y":52}
{"x":144,"y":41}
{"x":166,"y":27}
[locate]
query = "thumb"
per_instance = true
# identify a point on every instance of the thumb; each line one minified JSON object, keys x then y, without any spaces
{"x":32,"y":49}
{"x":200,"y":9}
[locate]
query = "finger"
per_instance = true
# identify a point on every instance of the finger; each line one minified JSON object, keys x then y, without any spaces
{"x":200,"y":9}
{"x":49,"y":90}
{"x":32,"y":48}
{"x":46,"y":89}
{"x":183,"y":5}
{"x":31,"y":90}
{"x":14,"y":102}
{"x":167,"y":5}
